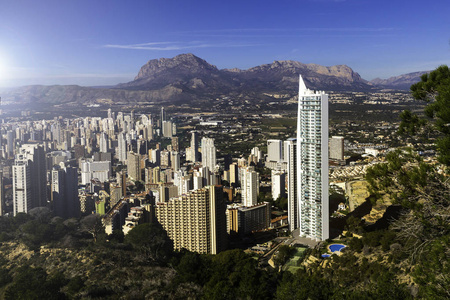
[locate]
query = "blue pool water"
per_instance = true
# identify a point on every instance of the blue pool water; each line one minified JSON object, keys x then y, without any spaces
{"x":325,"y":255}
{"x":336,"y":247}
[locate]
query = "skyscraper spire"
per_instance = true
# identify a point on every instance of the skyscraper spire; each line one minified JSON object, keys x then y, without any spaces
{"x":302,"y":89}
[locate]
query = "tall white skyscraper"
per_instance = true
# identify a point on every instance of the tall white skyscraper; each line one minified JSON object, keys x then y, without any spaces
{"x":194,"y":146}
{"x":163,"y":114}
{"x":103,"y":142}
{"x":21,"y":187}
{"x":278,"y":184}
{"x":208,"y":154}
{"x":312,"y":163}
{"x":29,"y":178}
{"x":250,"y":187}
{"x":121,"y":147}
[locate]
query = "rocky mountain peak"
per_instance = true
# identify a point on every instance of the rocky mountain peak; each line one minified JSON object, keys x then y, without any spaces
{"x":183,"y":63}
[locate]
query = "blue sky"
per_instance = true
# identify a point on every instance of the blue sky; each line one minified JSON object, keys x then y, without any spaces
{"x":99,"y":42}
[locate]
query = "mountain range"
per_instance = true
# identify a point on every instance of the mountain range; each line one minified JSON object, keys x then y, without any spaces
{"x":186,"y":77}
{"x":402,"y":82}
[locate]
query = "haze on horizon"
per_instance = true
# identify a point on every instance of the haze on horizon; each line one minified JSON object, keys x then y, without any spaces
{"x":106,"y":42}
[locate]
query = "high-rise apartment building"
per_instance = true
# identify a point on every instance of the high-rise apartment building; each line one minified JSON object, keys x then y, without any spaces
{"x":312,"y":163}
{"x":278,"y":184}
{"x":250,"y":187}
{"x":196,"y":220}
{"x":64,"y":196}
{"x":10,"y":143}
{"x":234,"y":174}
{"x":121,"y":147}
{"x":175,"y":160}
{"x":194,"y":146}
{"x":21,"y":187}
{"x":274,"y":150}
{"x":208,"y":154}
{"x":163,"y":115}
{"x":31,"y":157}
{"x":103,"y":142}
{"x":167,"y":128}
{"x":134,"y":166}
{"x":337,"y":147}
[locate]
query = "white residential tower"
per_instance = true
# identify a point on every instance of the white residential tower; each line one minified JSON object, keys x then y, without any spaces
{"x":312,"y":164}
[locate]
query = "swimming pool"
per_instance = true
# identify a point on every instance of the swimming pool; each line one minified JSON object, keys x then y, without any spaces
{"x":326,"y":255}
{"x":336,"y":247}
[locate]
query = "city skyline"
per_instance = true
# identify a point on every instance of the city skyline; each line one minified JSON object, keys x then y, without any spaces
{"x":103,"y":43}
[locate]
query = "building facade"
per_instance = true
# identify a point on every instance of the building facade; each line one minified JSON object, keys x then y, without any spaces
{"x":337,"y":147}
{"x":250,"y":187}
{"x":312,"y":163}
{"x":275,"y":150}
{"x":278,"y":184}
{"x":291,"y":146}
{"x":196,"y":220}
{"x":21,"y":187}
{"x":29,"y":178}
{"x":244,"y":220}
{"x":208,"y":154}
{"x":134,"y":166}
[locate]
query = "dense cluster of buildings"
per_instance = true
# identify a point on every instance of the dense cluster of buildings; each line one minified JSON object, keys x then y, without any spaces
{"x":114,"y":167}
{"x":88,"y":165}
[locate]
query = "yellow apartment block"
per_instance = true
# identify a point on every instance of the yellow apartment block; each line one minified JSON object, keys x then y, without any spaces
{"x":196,"y":221}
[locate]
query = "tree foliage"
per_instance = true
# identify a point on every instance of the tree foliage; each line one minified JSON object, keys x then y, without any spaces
{"x":404,"y":177}
{"x":281,"y":203}
{"x":235,"y":275}
{"x":151,"y":240}
{"x":423,"y":229}
{"x":34,"y":283}
{"x":434,"y":89}
{"x":92,"y":224}
{"x":284,"y":253}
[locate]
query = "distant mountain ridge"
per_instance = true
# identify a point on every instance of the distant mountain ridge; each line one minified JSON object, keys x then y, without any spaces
{"x":401,"y":82}
{"x":190,"y":73}
{"x":186,"y":77}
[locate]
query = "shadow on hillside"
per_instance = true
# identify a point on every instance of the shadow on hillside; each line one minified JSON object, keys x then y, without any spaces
{"x":337,"y":225}
{"x":392,"y":214}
